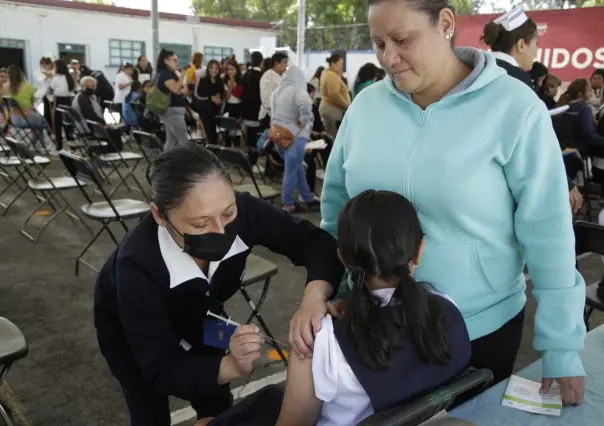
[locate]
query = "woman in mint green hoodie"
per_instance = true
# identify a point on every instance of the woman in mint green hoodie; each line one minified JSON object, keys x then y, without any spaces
{"x":474,"y":150}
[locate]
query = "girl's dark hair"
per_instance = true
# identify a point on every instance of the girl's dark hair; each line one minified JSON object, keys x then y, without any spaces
{"x":256,"y":59}
{"x":573,"y":91}
{"x":161,"y":60}
{"x":367,"y":72}
{"x":210,"y":64}
{"x":134,"y":88}
{"x":334,"y":58}
{"x":61,"y":69}
{"x":318,"y":72}
{"x":233,"y":63}
{"x":537,"y":71}
{"x":598,"y":71}
{"x":176,"y":171}
{"x":501,"y":40}
{"x":431,"y":8}
{"x":382,"y":246}
{"x":44,"y":60}
{"x":15,"y":78}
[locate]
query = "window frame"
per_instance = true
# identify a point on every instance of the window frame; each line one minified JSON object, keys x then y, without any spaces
{"x":209,"y":53}
{"x":132,"y":58}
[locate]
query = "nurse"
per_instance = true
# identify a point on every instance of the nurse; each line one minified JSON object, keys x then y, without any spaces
{"x":184,"y":259}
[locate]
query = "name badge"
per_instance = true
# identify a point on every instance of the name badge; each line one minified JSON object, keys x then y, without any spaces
{"x":217,"y":334}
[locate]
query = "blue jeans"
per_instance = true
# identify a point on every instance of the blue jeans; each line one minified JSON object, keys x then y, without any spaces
{"x":34,"y":121}
{"x":294,"y":177}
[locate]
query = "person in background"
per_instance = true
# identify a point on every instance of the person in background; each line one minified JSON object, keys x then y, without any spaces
{"x":538,"y":74}
{"x":267,"y":64}
{"x":251,"y":101}
{"x":549,"y":90}
{"x":170,"y":83}
{"x":26,"y":116}
{"x":123,"y":81}
{"x":149,"y":121}
{"x":318,"y":132}
{"x":233,"y":86}
{"x":513,"y":41}
{"x":335,"y":97}
{"x":74,"y":71}
{"x":316,"y":78}
{"x":128,"y":112}
{"x":597,"y":83}
{"x":142,"y":67}
{"x":501,"y":202}
{"x":191,"y":79}
{"x":268,"y":83}
{"x":293,"y":111}
{"x":43,"y":77}
{"x":62,"y":87}
{"x":209,"y":99}
{"x":366,"y":76}
{"x":104,"y":89}
{"x":244,"y":67}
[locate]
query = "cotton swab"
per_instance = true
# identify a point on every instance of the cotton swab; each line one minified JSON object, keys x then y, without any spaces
{"x":229,"y":321}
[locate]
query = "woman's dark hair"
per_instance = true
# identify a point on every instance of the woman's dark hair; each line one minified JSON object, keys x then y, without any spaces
{"x":537,"y":71}
{"x":256,"y":59}
{"x":15,"y":78}
{"x":310,"y":88}
{"x":44,"y":60}
{"x":598,"y":71}
{"x":431,"y":8}
{"x":138,"y":60}
{"x":334,"y":58}
{"x":381,"y":74}
{"x":210,"y":64}
{"x":177,"y":170}
{"x":574,"y":91}
{"x":161,"y":60}
{"x":277,"y":58}
{"x":61,"y":69}
{"x":382,"y":246}
{"x":197,"y":60}
{"x":367,"y":72}
{"x":501,"y":40}
{"x":318,"y":72}
{"x":134,"y":88}
{"x":233,"y":63}
{"x":267,"y":64}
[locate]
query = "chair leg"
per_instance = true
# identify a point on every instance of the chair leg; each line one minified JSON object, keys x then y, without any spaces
{"x":4,"y":416}
{"x":85,"y":249}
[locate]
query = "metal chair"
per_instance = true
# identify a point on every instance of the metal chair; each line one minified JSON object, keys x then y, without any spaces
{"x":422,"y":408}
{"x":13,"y":347}
{"x":49,"y":188}
{"x":149,"y":145}
{"x":230,"y":124}
{"x":77,"y":145}
{"x":232,"y":157}
{"x":589,"y":238}
{"x":104,"y":212}
{"x":258,"y":270}
{"x":21,"y":131}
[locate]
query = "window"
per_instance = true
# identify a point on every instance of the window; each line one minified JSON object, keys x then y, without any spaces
{"x":122,"y":51}
{"x":12,"y":44}
{"x":183,"y":51}
{"x":218,"y":53}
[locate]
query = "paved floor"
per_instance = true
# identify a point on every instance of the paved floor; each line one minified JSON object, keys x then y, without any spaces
{"x":64,"y":380}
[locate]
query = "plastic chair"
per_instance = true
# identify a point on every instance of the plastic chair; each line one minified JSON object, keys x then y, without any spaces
{"x":13,"y":347}
{"x":589,"y":238}
{"x":422,"y":408}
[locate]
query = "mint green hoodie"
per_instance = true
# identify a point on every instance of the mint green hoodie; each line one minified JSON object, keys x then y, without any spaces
{"x":484,"y":170}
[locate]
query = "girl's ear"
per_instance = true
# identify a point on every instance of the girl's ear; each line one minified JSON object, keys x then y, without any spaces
{"x":420,"y":252}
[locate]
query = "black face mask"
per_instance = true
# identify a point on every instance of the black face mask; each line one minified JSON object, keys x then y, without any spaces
{"x":88,"y":91}
{"x":211,"y":246}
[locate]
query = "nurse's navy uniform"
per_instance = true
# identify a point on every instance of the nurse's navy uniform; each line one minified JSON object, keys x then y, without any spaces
{"x":151,"y":300}
{"x":511,"y":66}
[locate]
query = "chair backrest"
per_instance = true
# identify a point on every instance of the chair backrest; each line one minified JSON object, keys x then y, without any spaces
{"x":98,"y":130}
{"x":589,"y":238}
{"x":20,"y":149}
{"x":10,"y":102}
{"x":65,"y":116}
{"x":147,"y":140}
{"x":27,"y":159}
{"x":81,"y":168}
{"x":228,"y":123}
{"x":231,"y":157}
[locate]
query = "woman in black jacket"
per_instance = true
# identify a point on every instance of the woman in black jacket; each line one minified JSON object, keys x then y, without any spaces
{"x":251,"y":101}
{"x":210,"y":96}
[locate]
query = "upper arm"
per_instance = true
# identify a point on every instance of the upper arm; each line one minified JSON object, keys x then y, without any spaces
{"x":300,"y":405}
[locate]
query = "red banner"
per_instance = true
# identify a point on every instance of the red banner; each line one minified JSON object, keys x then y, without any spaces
{"x":571,"y":44}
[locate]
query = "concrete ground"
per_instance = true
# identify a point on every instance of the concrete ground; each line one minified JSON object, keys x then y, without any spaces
{"x":64,"y":380}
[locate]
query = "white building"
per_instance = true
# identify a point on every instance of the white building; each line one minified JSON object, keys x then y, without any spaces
{"x":104,"y":37}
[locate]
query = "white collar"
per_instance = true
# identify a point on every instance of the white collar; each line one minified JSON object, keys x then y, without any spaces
{"x":181,"y":266}
{"x":506,"y":58}
{"x":257,"y":69}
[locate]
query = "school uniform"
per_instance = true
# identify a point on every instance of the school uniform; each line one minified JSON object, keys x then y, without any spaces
{"x":206,"y":108}
{"x":511,"y":66}
{"x":151,"y":301}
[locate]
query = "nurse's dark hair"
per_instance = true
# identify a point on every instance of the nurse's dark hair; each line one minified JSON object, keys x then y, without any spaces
{"x":501,"y":40}
{"x":176,"y":171}
{"x":431,"y":8}
{"x":379,"y":235}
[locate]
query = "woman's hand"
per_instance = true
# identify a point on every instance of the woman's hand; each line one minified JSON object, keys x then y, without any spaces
{"x":336,"y":308}
{"x":576,"y":199}
{"x":306,"y":322}
{"x":572,"y":389}
{"x":245,"y":346}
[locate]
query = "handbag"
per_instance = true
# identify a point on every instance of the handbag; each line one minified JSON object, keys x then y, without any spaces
{"x":280,"y":136}
{"x":158,"y":101}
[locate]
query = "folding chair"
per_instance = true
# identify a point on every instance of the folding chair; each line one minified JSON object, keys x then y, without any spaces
{"x":113,"y":108}
{"x":50,"y":189}
{"x":117,"y":158}
{"x":589,"y":238}
{"x":422,"y":408}
{"x":21,"y":132}
{"x":77,"y":145}
{"x":232,"y":157}
{"x":256,"y":271}
{"x":149,"y":145}
{"x":105,"y":212}
{"x":232,"y":124}
{"x":13,"y":347}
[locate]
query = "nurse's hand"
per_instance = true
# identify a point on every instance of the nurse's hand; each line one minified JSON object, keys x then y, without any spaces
{"x":306,"y":322}
{"x":572,"y":389}
{"x":245,"y":346}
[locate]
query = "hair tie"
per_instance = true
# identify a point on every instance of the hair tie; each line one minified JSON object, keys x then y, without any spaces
{"x":357,"y":276}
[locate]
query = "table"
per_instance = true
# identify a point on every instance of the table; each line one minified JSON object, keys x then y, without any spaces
{"x":486,"y":409}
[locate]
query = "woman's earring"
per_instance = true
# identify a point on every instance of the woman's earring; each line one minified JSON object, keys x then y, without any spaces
{"x":450,"y":35}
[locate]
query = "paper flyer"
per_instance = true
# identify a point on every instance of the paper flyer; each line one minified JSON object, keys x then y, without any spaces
{"x":523,"y":394}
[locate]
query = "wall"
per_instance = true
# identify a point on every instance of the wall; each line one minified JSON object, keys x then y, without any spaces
{"x":355,"y":59}
{"x":44,"y":28}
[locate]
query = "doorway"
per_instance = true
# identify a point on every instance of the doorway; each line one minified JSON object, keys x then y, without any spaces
{"x":12,"y":52}
{"x":67,"y":52}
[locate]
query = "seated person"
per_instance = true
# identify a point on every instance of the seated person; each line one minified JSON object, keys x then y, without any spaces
{"x":396,"y":339}
{"x":149,"y":122}
{"x":548,"y":91}
{"x":128,"y":111}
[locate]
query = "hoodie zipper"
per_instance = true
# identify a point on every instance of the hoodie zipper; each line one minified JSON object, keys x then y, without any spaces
{"x":416,"y":144}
